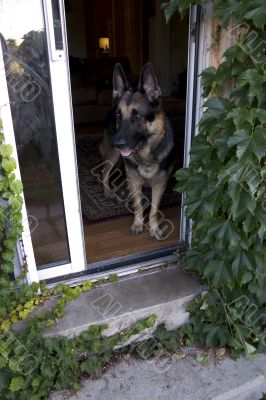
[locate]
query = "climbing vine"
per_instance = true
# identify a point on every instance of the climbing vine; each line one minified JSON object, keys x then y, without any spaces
{"x":224,"y":185}
{"x":10,"y":223}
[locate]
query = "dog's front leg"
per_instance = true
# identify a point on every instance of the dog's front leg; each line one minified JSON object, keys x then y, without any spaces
{"x":157,"y":193}
{"x":136,"y":197}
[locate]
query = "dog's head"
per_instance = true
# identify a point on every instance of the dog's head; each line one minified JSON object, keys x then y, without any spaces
{"x":136,"y":112}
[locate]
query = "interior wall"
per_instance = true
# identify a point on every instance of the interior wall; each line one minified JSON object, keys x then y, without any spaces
{"x":159,"y":47}
{"x":127,"y":31}
{"x":168,"y":47}
{"x":98,"y":15}
{"x":178,"y":46}
{"x":76,"y":27}
{"x":122,"y":21}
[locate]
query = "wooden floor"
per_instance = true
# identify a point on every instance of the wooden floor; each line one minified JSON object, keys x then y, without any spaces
{"x":109,"y":239}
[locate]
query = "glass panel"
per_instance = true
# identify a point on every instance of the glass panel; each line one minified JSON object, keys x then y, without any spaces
{"x":57,"y":25}
{"x":27,"y":70}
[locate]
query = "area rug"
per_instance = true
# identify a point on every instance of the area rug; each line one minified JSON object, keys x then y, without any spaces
{"x":95,"y":207}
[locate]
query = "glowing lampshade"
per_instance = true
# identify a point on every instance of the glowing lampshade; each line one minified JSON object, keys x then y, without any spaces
{"x":104,"y":43}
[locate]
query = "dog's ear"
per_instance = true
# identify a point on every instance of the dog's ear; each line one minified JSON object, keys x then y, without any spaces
{"x":119,"y":81}
{"x":148,"y":84}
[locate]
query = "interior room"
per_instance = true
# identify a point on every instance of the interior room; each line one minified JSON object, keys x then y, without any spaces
{"x":129,"y":32}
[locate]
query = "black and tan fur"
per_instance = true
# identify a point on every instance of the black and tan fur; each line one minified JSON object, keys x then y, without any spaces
{"x":138,"y":130}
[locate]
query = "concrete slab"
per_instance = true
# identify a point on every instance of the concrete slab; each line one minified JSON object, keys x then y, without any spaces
{"x":184,"y":379}
{"x":120,"y":304}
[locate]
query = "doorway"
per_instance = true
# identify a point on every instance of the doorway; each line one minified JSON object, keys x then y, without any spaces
{"x":129,"y":32}
{"x":55,"y":98}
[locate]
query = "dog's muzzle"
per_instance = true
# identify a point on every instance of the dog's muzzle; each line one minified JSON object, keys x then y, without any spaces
{"x":121,"y":145}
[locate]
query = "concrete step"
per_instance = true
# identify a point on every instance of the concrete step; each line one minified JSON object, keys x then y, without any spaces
{"x":120,"y":304}
{"x":184,"y":379}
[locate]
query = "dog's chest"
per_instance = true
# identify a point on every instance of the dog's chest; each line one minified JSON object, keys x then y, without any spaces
{"x":148,"y":170}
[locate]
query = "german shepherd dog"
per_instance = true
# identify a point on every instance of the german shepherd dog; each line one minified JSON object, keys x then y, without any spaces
{"x":138,"y":131}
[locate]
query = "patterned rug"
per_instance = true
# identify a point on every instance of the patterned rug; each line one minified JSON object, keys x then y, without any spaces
{"x":95,"y":206}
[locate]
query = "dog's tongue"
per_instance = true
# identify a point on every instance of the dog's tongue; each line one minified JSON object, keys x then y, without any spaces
{"x":126,"y":153}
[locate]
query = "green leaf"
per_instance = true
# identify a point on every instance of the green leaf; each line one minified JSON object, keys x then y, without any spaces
{"x":6,"y":150}
{"x":246,"y":277}
{"x":225,"y":233}
{"x":216,"y":105}
{"x":7,"y":267}
{"x":249,"y":76}
{"x":92,"y":365}
{"x":170,"y":9}
{"x":47,"y":371}
{"x":241,"y":200}
{"x":257,"y":14}
{"x":221,"y":144}
{"x":248,"y":143}
{"x":15,"y":202}
{"x":240,"y":116}
{"x":207,"y":80}
{"x":191,"y":207}
{"x":201,"y":150}
{"x":260,"y":114}
{"x":173,"y":6}
{"x":258,"y":291}
{"x":212,"y":198}
{"x":8,"y":164}
{"x":225,"y":10}
{"x":218,"y":272}
{"x":207,"y":121}
{"x":36,"y":382}
{"x":249,"y":348}
{"x":3,"y":361}
{"x":193,"y":184}
{"x":241,"y":263}
{"x":235,"y":52}
{"x":216,"y":334}
{"x":16,"y":187}
{"x":16,"y":384}
{"x":262,"y":233}
{"x":204,"y":359}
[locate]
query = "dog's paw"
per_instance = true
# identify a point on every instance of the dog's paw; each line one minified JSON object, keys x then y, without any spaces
{"x":136,"y":229}
{"x":156,"y":234}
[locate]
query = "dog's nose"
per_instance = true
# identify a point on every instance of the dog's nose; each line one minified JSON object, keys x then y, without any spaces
{"x":120,"y":143}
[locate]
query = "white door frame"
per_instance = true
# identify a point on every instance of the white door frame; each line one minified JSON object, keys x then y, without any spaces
{"x":61,"y":91}
{"x":199,"y":29}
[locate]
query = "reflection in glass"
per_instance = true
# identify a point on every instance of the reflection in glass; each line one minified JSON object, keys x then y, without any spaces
{"x":28,"y":77}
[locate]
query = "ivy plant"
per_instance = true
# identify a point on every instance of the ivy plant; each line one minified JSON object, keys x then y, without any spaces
{"x":224,"y":185}
{"x":10,"y":223}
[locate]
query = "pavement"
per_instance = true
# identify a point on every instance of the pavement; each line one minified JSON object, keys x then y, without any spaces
{"x":175,"y":378}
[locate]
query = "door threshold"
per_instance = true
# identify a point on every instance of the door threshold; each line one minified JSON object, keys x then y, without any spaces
{"x":120,"y":266}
